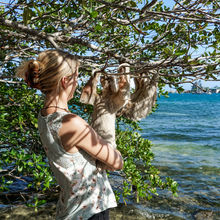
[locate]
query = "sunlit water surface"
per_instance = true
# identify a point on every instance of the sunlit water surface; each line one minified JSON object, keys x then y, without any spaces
{"x":185,"y":131}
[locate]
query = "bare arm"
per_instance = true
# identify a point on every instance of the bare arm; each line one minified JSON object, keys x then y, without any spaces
{"x":76,"y":133}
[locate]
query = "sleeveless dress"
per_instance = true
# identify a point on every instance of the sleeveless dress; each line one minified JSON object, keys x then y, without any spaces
{"x":84,"y":190}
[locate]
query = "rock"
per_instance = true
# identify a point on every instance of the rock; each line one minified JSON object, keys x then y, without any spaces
{"x":204,"y":215}
{"x":27,"y":213}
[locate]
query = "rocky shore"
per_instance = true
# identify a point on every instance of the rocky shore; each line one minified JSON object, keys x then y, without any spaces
{"x":22,"y":212}
{"x":122,"y":212}
{"x":163,"y":207}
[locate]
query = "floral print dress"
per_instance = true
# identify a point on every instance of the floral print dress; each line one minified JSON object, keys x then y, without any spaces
{"x":84,"y":191}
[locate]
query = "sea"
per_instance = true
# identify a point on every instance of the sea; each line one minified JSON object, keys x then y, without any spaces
{"x":185,"y":132}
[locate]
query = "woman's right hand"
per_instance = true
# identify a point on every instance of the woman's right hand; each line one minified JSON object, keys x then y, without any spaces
{"x":75,"y":132}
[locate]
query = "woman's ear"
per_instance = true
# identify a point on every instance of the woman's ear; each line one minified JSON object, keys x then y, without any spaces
{"x":64,"y":82}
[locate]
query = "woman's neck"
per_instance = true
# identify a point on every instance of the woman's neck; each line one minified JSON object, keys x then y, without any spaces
{"x":58,"y":101}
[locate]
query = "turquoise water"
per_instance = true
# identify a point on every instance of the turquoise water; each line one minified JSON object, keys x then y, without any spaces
{"x":185,"y":131}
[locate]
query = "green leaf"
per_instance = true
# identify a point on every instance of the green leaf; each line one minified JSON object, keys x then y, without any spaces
{"x":27,"y":15}
{"x":20,"y":168}
{"x":98,"y":27}
{"x":94,"y":14}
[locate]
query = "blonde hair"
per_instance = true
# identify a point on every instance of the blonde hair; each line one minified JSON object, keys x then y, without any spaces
{"x":46,"y":72}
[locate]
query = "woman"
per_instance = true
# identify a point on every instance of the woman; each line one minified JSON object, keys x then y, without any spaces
{"x":71,"y":145}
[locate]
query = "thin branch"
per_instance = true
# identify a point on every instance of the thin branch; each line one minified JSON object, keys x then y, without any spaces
{"x":176,"y":17}
{"x":51,"y":39}
{"x":11,"y":82}
{"x":123,"y":7}
{"x":148,"y":6}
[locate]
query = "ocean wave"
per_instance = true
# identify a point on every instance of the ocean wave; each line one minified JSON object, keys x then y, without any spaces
{"x":168,"y":136}
{"x":197,"y":136}
{"x":199,"y":148}
{"x":171,"y":114}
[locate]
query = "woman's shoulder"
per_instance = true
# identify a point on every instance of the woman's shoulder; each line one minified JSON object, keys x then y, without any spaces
{"x":68,"y":121}
{"x":73,"y":130}
{"x":73,"y":121}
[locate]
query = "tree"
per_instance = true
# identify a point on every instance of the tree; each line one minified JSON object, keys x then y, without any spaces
{"x":179,"y":44}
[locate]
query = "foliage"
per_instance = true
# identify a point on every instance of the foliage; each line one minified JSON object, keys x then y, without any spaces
{"x":179,"y":43}
{"x":22,"y":158}
{"x":140,"y":178}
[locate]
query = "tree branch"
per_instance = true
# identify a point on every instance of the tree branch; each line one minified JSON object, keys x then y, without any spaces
{"x":10,"y":82}
{"x":148,"y":6}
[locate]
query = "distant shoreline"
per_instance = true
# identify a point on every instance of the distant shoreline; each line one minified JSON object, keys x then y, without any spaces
{"x":196,"y":93}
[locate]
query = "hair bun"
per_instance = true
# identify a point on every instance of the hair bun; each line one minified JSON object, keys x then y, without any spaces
{"x":32,"y":74}
{"x":34,"y":65}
